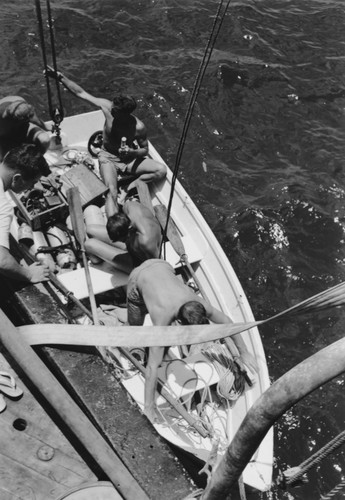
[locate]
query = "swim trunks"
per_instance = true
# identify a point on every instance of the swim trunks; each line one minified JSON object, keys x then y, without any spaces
{"x":135,"y":303}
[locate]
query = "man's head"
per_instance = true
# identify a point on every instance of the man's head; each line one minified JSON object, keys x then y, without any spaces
{"x":19,"y":111}
{"x":192,"y":313}
{"x":23,"y":166}
{"x":123,"y":104}
{"x":117,"y":227}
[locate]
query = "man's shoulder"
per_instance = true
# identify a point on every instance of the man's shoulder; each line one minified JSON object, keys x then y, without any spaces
{"x":139,"y":125}
{"x":153,"y":267}
{"x":11,"y":98}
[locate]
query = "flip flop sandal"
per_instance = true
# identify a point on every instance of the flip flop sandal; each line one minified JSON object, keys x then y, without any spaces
{"x":2,"y":403}
{"x":8,"y":385}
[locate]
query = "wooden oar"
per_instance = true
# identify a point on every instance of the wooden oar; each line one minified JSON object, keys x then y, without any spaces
{"x":176,"y":242}
{"x":130,"y":336}
{"x":77,"y":220}
{"x":68,"y":410}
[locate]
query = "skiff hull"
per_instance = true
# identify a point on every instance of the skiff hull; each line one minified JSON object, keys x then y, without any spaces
{"x":221,"y":287}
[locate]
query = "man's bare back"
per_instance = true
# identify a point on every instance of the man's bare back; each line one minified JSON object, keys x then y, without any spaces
{"x":144,"y":235}
{"x":162,"y":292}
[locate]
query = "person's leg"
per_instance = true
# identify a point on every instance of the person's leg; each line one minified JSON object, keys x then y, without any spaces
{"x":108,"y":172}
{"x":147,"y":170}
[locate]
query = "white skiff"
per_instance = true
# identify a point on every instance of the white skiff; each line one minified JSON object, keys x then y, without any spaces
{"x":192,"y":380}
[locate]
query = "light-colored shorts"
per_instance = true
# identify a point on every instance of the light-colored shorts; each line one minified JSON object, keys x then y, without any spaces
{"x":104,"y":157}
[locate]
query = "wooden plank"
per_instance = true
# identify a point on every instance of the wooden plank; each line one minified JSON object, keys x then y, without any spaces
{"x":23,"y":481}
{"x":90,"y":186}
{"x":78,"y":423}
{"x":37,"y":461}
{"x":25,"y":446}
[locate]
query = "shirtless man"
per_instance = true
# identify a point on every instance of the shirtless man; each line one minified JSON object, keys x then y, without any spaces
{"x":135,"y":226}
{"x":139,"y":229}
{"x":154,"y":288}
{"x":19,"y":170}
{"x":20,"y":124}
{"x":119,"y":122}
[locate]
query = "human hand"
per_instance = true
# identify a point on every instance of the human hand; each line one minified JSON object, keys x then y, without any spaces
{"x":54,"y":74}
{"x":38,"y":272}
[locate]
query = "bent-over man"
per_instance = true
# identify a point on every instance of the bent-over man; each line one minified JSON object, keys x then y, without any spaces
{"x":154,"y":288}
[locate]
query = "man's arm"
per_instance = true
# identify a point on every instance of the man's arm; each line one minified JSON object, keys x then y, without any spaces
{"x":12,"y":269}
{"x":219,"y":317}
{"x":78,"y":91}
{"x":154,"y":361}
{"x":141,"y":138}
{"x":37,"y":121}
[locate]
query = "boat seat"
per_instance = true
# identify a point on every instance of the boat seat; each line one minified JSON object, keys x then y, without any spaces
{"x":102,"y":280}
{"x":187,"y":375}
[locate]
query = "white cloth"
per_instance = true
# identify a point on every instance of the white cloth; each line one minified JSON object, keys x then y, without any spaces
{"x":6,"y":216}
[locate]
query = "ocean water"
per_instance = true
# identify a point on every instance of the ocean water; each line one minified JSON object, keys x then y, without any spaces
{"x":263,"y":158}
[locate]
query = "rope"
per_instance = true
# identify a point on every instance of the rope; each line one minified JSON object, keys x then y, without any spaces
{"x":333,"y":297}
{"x":334,"y":491}
{"x":241,"y":488}
{"x":57,"y":118}
{"x":231,"y":383}
{"x":315,"y":459}
{"x":197,"y":84}
{"x":56,"y":114}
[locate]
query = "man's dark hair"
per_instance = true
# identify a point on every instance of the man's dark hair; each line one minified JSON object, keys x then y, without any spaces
{"x":123,"y":103}
{"x":192,"y":313}
{"x":117,"y":227}
{"x":21,"y":111}
{"x":28,"y":160}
